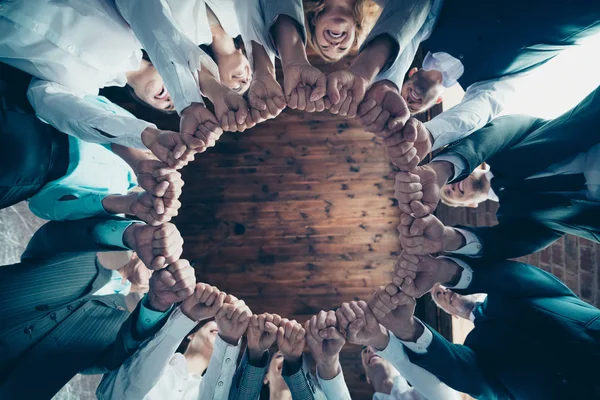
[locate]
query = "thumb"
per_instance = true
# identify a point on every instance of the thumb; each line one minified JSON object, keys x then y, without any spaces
{"x":333,"y":92}
{"x":320,"y":88}
{"x":418,"y":208}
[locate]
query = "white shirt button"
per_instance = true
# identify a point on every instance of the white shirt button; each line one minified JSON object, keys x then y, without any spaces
{"x":35,"y":27}
{"x":220,"y":384}
{"x":227,"y":360}
{"x":70,"y":49}
{"x":187,"y":92}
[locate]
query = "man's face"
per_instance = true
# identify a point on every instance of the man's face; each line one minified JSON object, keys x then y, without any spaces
{"x":235,"y":72}
{"x":377,"y":369}
{"x":453,"y":303}
{"x":151,"y":89}
{"x":422,"y":90}
{"x":469,"y":192}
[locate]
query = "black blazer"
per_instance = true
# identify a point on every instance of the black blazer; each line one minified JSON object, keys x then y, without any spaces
{"x":533,"y":339}
{"x":52,"y":325}
{"x":534,"y":213}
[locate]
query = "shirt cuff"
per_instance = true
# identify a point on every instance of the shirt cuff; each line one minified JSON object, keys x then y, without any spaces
{"x":334,"y":387}
{"x":110,"y":233}
{"x":472,"y":248}
{"x":394,"y":349}
{"x":459,"y":165}
{"x":443,"y":132}
{"x":466,"y":276}
{"x":422,"y":343}
{"x":148,"y":318}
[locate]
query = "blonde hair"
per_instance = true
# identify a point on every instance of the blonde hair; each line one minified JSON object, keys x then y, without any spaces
{"x":365,"y":13}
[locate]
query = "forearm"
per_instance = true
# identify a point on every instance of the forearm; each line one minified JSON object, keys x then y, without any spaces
{"x":118,"y":203}
{"x":133,"y":156}
{"x":262,"y":63}
{"x":410,"y":332}
{"x":329,"y":368}
{"x":370,"y":61}
{"x":289,"y":41}
{"x":444,"y":171}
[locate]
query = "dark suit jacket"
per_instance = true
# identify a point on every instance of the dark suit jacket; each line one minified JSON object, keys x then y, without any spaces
{"x":493,"y":39}
{"x":53,"y":326}
{"x":534,"y":212}
{"x":533,"y":339}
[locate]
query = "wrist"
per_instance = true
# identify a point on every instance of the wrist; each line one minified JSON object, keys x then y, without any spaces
{"x":449,"y":272}
{"x":210,"y":86}
{"x":293,"y":362}
{"x":288,"y":41}
{"x":149,"y":136}
{"x":229,"y":339}
{"x":155,"y":304}
{"x":255,"y":355}
{"x":452,"y":240}
{"x":381,"y":340}
{"x":444,"y":170}
{"x":411,"y":331}
{"x":130,"y":234}
{"x":329,"y":367}
{"x":369,"y":62}
{"x":116,"y":203}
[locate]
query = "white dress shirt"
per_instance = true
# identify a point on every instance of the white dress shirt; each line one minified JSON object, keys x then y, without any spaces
{"x":425,"y":385}
{"x":587,"y":163}
{"x":155,"y":371}
{"x":172,"y":44}
{"x":335,"y":388}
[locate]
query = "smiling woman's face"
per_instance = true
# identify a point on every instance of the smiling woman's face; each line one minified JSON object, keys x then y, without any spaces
{"x":235,"y":71}
{"x":335,"y":32}
{"x":151,"y":89}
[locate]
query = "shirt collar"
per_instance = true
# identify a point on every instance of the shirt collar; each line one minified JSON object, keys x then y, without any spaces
{"x":488,"y":174}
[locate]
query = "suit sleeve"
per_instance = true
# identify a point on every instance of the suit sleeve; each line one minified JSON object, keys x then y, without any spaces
{"x":512,"y":279}
{"x":455,"y":365}
{"x":400,"y":20}
{"x":300,"y":382}
{"x":512,"y":238}
{"x":248,"y":379}
{"x":496,"y":136}
{"x":86,"y":235}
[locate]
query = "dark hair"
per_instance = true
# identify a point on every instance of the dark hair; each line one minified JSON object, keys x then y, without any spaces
{"x":185,"y":343}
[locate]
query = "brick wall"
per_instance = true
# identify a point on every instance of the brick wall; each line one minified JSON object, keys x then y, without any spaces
{"x":573,"y":260}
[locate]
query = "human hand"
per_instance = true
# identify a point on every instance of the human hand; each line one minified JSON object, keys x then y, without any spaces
{"x":421,"y":236}
{"x":265,"y":97}
{"x":304,"y":86}
{"x":199,"y":127}
{"x":233,"y":319}
{"x":151,"y":210}
{"x":156,"y":246}
{"x":262,"y":333}
{"x":383,"y":111}
{"x":232,"y":111}
{"x":346,"y":90}
{"x":158,"y":179}
{"x":171,"y":285}
{"x":360,"y":325}
{"x":395,"y":310}
{"x":417,"y":192}
{"x":291,"y":340}
{"x":323,"y":337}
{"x":204,"y":303}
{"x":137,"y":274}
{"x":416,"y":275}
{"x":406,"y":148}
{"x":167,"y":146}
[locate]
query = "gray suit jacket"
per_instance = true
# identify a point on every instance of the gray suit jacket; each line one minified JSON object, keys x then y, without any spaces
{"x":53,"y":326}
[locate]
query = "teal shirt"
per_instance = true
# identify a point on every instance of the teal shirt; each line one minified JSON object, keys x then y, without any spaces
{"x":94,"y":172}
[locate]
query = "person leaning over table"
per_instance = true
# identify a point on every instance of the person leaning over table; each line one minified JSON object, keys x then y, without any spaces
{"x":533,"y":337}
{"x":64,"y":303}
{"x":64,"y":177}
{"x":545,"y":174}
{"x":58,"y":44}
{"x":193,"y":356}
{"x":486,"y":47}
